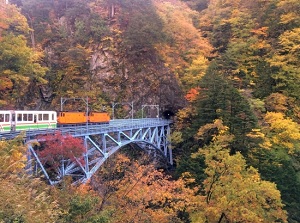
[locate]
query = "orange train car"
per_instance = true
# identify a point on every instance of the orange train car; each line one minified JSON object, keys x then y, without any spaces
{"x":77,"y":118}
{"x":99,"y":117}
{"x":71,"y":118}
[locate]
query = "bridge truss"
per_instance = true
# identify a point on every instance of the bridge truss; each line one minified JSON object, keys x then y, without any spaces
{"x":102,"y":141}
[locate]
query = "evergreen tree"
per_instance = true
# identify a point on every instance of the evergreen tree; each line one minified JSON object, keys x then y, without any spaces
{"x":218,"y":99}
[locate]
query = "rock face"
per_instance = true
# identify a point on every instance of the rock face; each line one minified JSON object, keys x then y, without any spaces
{"x":116,"y":71}
{"x":141,"y":79}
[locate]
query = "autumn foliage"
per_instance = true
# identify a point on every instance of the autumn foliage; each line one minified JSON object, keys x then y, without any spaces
{"x":192,"y":94}
{"x":226,"y":58}
{"x":58,"y":147}
{"x":141,"y":193}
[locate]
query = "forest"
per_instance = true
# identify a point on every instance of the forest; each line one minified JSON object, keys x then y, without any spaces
{"x":228,"y":70}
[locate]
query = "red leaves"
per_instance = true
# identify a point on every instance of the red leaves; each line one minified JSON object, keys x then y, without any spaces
{"x":192,"y":94}
{"x":58,"y":147}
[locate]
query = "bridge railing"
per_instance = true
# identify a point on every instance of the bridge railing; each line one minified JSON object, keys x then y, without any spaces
{"x":113,"y":125}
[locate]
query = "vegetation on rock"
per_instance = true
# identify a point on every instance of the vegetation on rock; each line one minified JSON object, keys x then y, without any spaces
{"x":228,"y":69}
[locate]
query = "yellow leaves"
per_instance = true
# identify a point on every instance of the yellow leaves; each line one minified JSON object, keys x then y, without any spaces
{"x":233,"y":189}
{"x":183,"y":117}
{"x":256,"y":133}
{"x":283,"y":131}
{"x":237,"y":191}
{"x":288,"y":18}
{"x":10,"y":17}
{"x":12,"y":156}
{"x":287,"y":59}
{"x":267,"y":144}
{"x":290,"y":40}
{"x":235,"y":17}
{"x":195,"y":72}
{"x":291,"y":11}
{"x":21,"y":197}
{"x":187,"y":42}
{"x":216,"y":131}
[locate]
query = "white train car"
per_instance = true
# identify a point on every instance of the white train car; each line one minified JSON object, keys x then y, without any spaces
{"x":27,"y":120}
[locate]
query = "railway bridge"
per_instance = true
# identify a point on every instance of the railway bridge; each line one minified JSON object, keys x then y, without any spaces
{"x":101,"y":141}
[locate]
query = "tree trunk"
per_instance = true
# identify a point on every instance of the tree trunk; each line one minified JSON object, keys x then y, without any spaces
{"x":32,"y":33}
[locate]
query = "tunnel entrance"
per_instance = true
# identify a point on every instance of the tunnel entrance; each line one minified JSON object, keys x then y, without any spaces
{"x":168,"y":114}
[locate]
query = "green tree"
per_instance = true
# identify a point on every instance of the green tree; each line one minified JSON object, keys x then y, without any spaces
{"x":74,"y":76}
{"x":142,"y":26}
{"x":277,"y":166}
{"x":235,"y":192}
{"x":219,"y":99}
{"x":277,"y":157}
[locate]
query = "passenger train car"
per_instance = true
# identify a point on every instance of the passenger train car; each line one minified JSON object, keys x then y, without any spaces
{"x":13,"y":120}
{"x":25,"y":120}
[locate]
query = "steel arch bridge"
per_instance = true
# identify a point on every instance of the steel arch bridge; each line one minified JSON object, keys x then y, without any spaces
{"x":101,"y":141}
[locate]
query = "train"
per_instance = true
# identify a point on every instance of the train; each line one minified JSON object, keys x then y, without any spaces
{"x":15,"y":120}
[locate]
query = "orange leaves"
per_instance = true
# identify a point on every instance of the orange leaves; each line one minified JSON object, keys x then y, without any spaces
{"x":84,"y":189}
{"x":3,"y":18}
{"x":150,"y":191}
{"x":192,"y":94}
{"x":5,"y":83}
{"x":141,"y":193}
{"x":11,"y":18}
{"x":186,"y":42}
{"x":262,"y":31}
{"x":277,"y":102}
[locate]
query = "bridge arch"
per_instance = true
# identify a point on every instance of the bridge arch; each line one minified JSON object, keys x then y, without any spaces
{"x":103,"y":141}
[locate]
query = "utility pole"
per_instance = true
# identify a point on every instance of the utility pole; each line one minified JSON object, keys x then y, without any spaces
{"x":122,"y":103}
{"x":152,"y":106}
{"x":85,"y":100}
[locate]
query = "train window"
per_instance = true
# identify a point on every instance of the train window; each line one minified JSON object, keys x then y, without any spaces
{"x":19,"y":117}
{"x":13,"y":118}
{"x":30,"y":117}
{"x":45,"y":117}
{"x":40,"y":117}
{"x":1,"y":117}
{"x":52,"y":117}
{"x":25,"y":117}
{"x":7,"y":117}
